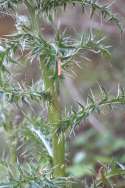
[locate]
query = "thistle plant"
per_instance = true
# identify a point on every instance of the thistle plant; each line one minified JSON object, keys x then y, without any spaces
{"x":54,"y":56}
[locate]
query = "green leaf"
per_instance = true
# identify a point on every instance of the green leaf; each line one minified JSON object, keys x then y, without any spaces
{"x":2,"y":56}
{"x":105,"y":52}
{"x":40,"y":135}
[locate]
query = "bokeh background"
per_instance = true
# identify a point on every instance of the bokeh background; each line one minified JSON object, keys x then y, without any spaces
{"x":100,"y":139}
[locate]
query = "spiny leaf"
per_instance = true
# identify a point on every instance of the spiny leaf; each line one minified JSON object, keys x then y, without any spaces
{"x":40,"y":135}
{"x":95,"y":105}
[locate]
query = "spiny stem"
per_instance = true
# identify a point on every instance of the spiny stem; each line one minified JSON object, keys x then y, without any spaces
{"x":54,"y":113}
{"x":54,"y":116}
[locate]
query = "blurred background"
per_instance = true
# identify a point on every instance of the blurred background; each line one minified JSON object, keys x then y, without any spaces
{"x":100,"y":139}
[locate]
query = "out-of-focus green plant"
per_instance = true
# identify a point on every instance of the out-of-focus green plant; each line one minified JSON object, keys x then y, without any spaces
{"x":45,"y":137}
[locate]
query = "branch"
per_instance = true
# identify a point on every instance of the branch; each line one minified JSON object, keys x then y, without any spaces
{"x":93,"y":105}
{"x":78,"y":98}
{"x":48,"y":5}
{"x":14,"y":94}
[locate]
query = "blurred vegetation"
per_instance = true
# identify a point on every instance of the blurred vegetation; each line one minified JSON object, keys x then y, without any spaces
{"x":90,"y":42}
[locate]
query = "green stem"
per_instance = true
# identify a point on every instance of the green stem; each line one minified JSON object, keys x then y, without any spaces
{"x":54,"y":116}
{"x":33,"y":17}
{"x":58,"y":143}
{"x":54,"y":112}
{"x":58,"y":160}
